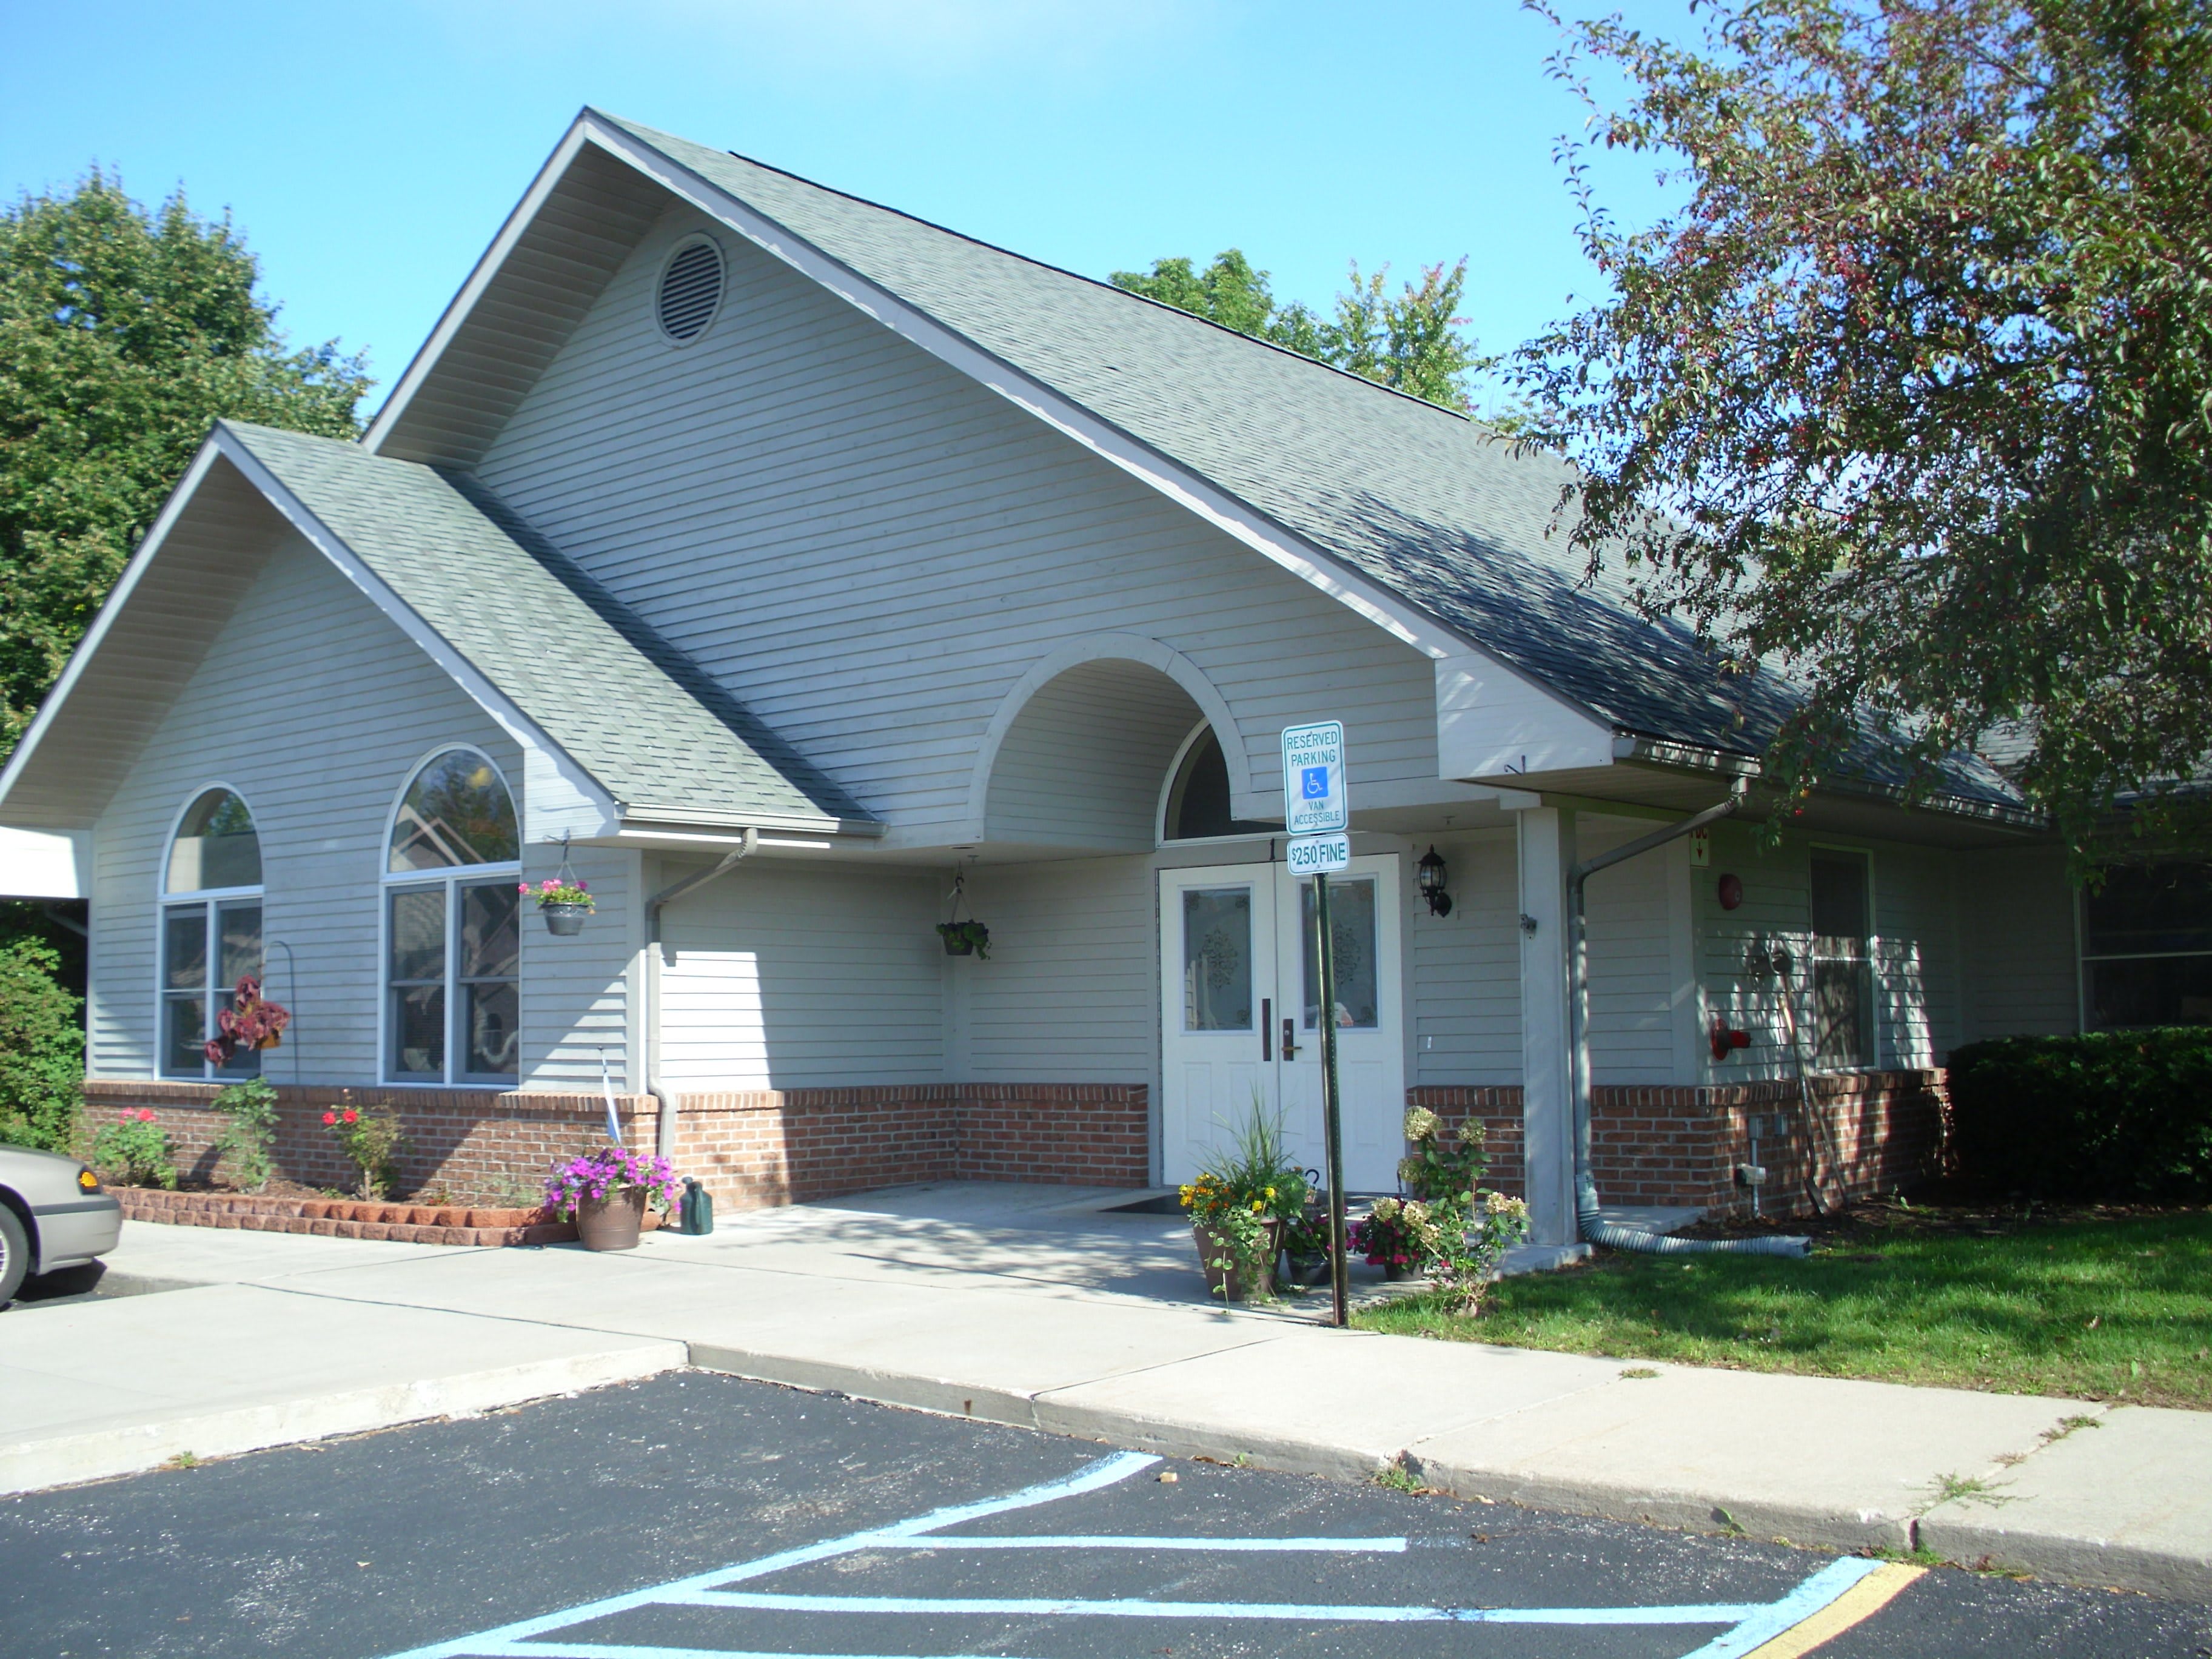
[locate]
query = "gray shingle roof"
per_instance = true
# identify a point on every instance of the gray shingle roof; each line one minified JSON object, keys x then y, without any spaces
{"x":636,"y":715}
{"x":1427,"y":504}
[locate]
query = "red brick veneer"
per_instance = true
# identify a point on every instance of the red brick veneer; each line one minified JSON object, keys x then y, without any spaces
{"x":1679,"y":1145}
{"x":770,"y":1146}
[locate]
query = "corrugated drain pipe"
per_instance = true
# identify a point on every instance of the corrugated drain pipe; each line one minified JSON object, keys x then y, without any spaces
{"x":1595,"y":1230}
{"x":664,"y":1140}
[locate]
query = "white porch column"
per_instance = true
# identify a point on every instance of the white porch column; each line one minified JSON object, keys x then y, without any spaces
{"x":1546,"y":849}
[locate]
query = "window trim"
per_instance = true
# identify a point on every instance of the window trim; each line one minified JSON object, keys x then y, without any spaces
{"x":209,"y":901}
{"x":451,"y":880}
{"x":1874,"y":1034}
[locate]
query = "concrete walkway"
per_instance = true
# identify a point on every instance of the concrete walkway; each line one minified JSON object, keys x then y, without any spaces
{"x":1043,"y":1307}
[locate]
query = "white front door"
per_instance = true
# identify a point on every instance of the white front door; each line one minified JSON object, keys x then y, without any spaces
{"x":1239,"y":1008}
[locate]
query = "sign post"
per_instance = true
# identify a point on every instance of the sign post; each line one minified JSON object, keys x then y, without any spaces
{"x":1317,"y":811}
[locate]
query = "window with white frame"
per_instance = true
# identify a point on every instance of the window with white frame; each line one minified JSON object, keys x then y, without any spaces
{"x":1843,"y":960}
{"x":2146,"y":947}
{"x":453,"y":926}
{"x":210,"y":932}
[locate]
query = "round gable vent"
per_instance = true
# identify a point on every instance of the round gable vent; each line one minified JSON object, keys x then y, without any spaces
{"x":691,"y":291}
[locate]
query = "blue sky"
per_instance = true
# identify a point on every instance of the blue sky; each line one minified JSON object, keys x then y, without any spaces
{"x":369,"y":151}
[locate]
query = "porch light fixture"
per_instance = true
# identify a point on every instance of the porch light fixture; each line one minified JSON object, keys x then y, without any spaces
{"x":1431,"y":871}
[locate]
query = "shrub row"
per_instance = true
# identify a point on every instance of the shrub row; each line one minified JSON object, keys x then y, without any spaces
{"x":2110,"y":1117}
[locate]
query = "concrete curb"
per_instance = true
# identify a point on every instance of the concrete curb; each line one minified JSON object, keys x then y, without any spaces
{"x":100,"y":1455}
{"x":2079,"y":1560}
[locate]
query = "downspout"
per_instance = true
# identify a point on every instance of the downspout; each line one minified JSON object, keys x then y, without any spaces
{"x":664,"y":1143}
{"x":1592,"y":1229}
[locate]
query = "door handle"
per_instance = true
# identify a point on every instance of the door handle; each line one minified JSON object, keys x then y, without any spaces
{"x":1266,"y":1027}
{"x":1290,"y":1038}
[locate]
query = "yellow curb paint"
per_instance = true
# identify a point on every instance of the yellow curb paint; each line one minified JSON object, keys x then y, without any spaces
{"x":1854,"y":1606}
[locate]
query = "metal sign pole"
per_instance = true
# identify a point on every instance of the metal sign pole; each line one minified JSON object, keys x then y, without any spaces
{"x":1339,"y":1271}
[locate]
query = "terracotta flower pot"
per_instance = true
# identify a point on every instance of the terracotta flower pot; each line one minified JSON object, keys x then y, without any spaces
{"x":1230,"y":1284}
{"x":611,"y":1223}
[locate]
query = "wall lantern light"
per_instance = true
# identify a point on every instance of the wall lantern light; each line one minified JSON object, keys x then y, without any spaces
{"x":1431,"y":871}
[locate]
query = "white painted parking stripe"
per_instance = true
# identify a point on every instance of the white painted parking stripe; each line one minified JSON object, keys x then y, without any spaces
{"x":1346,"y":1613}
{"x":1076,"y":1541}
{"x":1103,"y":1473}
{"x":1802,"y":1603}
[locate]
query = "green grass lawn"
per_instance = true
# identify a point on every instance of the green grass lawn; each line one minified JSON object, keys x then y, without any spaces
{"x":2098,"y":1304}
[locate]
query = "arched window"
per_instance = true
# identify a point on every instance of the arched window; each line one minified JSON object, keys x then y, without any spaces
{"x":1197,"y":806}
{"x":453,"y":926}
{"x":210,"y":930}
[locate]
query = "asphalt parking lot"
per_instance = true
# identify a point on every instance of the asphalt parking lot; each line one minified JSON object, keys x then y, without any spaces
{"x":699,"y":1515}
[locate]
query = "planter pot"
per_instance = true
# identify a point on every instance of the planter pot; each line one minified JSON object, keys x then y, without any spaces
{"x":565,"y":920}
{"x":613,"y":1223}
{"x":959,"y":944}
{"x":1229,"y":1284}
{"x":1303,"y":1271}
{"x":1394,"y":1270}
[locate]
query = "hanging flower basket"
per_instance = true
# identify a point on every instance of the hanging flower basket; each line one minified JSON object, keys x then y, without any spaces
{"x":965,"y":938}
{"x":564,"y":900}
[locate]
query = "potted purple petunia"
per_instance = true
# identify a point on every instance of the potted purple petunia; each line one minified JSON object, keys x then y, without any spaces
{"x":606,"y":1193}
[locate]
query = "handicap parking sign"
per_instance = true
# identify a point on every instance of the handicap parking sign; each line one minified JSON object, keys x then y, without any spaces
{"x":1315,"y":802}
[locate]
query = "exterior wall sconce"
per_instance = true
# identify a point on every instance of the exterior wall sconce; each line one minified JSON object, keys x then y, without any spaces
{"x":1431,"y":873}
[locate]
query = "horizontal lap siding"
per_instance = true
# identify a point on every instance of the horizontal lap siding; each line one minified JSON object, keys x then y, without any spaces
{"x":1466,"y":992}
{"x":1916,"y":955}
{"x":576,"y":990}
{"x":1071,"y":992}
{"x":1631,"y":988}
{"x":871,"y":550}
{"x":315,"y":708}
{"x":785,"y":976}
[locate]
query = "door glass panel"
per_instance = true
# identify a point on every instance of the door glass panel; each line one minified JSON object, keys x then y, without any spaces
{"x":1217,"y":959}
{"x":1352,"y":920}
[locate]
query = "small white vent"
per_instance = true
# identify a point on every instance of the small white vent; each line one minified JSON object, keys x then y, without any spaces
{"x":691,"y":291}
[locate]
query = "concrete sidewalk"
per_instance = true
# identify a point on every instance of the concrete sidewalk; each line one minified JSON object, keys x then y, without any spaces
{"x":1044,"y":1308}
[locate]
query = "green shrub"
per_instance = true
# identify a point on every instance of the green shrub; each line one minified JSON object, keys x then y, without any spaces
{"x":41,"y":1048}
{"x":249,"y":1133}
{"x":2115,"y":1117}
{"x":135,"y":1151}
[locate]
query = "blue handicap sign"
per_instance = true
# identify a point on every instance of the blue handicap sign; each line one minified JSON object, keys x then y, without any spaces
{"x":1313,"y":782}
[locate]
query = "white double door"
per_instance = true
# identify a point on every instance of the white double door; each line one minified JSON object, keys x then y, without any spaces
{"x":1239,"y":1005}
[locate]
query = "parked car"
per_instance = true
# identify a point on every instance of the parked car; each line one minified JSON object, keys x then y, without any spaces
{"x":53,"y":1214}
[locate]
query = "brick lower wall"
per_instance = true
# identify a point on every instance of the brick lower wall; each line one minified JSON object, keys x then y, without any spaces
{"x":769,"y":1146}
{"x":1679,"y":1145}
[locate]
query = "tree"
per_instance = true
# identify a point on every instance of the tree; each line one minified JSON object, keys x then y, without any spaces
{"x":1911,"y":395}
{"x":1410,"y":340}
{"x":41,"y":1048}
{"x":123,"y":334}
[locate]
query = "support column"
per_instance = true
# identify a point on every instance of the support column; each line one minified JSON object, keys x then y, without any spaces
{"x":1547,"y":1113}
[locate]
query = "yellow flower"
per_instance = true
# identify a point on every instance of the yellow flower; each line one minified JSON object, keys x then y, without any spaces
{"x":1271,"y":1192}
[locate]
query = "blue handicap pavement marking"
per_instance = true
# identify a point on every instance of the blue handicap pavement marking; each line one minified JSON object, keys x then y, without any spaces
{"x":1746,"y":1626}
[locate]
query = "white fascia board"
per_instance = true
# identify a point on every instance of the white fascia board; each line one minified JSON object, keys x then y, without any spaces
{"x":487,"y":269}
{"x":45,"y":864}
{"x":1386,"y":611}
{"x":117,"y":597}
{"x":558,"y":795}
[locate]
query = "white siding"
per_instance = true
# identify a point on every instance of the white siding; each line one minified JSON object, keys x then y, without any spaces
{"x":1071,"y":993}
{"x":576,"y":991}
{"x":1916,"y":954}
{"x":2018,"y":927}
{"x":787,"y":975}
{"x":1465,"y":990}
{"x":316,"y":709}
{"x":869,"y":548}
{"x":1631,"y":983}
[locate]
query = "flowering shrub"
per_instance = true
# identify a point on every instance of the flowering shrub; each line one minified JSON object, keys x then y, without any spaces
{"x":1396,"y":1235}
{"x":249,"y":1023}
{"x":605,"y":1174}
{"x":371,"y":1141}
{"x":249,"y":1132}
{"x":138,"y":1147}
{"x":552,"y":890}
{"x":1458,"y":1231}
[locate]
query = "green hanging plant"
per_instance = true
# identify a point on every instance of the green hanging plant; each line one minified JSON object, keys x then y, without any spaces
{"x":963,"y":939}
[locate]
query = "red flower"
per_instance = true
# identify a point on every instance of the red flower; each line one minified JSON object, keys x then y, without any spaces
{"x":329,"y":1118}
{"x":351,"y":1115}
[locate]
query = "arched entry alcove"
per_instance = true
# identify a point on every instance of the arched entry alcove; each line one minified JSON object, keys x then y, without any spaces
{"x":1076,"y":759}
